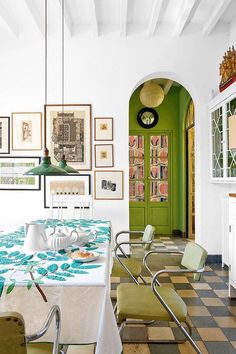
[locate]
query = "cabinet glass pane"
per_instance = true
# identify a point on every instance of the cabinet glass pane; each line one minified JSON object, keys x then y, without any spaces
{"x":158,"y":168}
{"x":136,"y":168}
{"x":231,"y":154}
{"x":217,"y":142}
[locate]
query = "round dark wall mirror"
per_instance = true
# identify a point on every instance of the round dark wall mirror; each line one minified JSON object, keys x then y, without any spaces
{"x":147,"y":118}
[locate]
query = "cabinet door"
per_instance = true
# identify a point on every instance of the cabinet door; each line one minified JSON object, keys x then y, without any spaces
{"x":225,"y":232}
{"x":232,"y":247}
{"x":217,"y":143}
{"x":230,"y":154}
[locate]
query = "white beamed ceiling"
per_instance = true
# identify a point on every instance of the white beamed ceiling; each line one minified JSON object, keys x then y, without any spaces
{"x":118,"y":17}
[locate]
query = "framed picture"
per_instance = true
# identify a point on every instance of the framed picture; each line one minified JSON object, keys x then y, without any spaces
{"x":108,"y":184}
{"x":12,"y":171}
{"x":103,"y":129}
{"x":68,"y":132}
{"x":71,"y":184}
{"x":104,"y":156}
{"x":4,"y":135}
{"x":27,"y":131}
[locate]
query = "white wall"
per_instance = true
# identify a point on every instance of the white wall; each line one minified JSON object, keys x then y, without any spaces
{"x":104,"y":72}
{"x":232,"y":34}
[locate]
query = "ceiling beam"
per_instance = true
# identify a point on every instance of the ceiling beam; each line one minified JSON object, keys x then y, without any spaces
{"x":34,"y":11}
{"x":215,"y":16}
{"x":94,"y":19}
{"x":68,"y":22}
{"x":167,"y":86}
{"x":187,"y":10}
{"x":5,"y":14}
{"x":123,"y":17}
{"x":155,"y":15}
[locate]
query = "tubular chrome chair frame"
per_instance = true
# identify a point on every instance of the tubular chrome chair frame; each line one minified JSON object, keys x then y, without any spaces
{"x":119,"y":247}
{"x":54,"y":312}
{"x":155,"y":282}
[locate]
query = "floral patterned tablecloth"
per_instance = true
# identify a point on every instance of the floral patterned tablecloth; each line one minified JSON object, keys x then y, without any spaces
{"x":32,"y":283}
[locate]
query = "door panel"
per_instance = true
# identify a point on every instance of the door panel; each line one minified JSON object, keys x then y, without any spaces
{"x":137,"y":217}
{"x":159,"y":217}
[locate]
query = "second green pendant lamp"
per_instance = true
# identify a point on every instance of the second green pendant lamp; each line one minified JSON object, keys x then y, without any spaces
{"x":46,"y":168}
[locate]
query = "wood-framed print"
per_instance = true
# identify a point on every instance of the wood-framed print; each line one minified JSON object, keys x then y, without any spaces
{"x":108,"y":184}
{"x":26,"y":131}
{"x":103,"y":129}
{"x":4,"y":135}
{"x":68,"y":132}
{"x":12,"y":169}
{"x":104,"y":156}
{"x":72,"y":184}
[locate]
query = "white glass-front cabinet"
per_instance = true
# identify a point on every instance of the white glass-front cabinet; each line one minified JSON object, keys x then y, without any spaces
{"x":223,"y":159}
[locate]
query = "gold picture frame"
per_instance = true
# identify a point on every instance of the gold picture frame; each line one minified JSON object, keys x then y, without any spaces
{"x":68,"y":132}
{"x":26,"y":131}
{"x":103,"y":155}
{"x":109,"y":185}
{"x":103,"y":129}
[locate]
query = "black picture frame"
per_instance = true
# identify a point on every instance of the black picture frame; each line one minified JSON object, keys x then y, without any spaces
{"x":16,"y":181}
{"x":154,"y":116}
{"x":86,"y":177}
{"x":6,"y":136}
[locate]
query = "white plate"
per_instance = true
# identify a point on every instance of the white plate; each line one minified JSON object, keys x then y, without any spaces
{"x":89,"y":259}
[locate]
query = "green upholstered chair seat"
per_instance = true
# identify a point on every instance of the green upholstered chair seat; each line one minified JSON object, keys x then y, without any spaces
{"x":12,"y":336}
{"x":39,"y":348}
{"x":139,"y":302}
{"x":134,"y":267}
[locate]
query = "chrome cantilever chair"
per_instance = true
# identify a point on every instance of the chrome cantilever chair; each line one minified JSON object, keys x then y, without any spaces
{"x":129,"y":267}
{"x":13,"y":339}
{"x":156,"y":303}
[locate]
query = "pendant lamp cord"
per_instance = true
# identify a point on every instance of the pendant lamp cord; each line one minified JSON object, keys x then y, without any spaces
{"x":62,"y":55}
{"x":45,"y":62}
{"x":46,"y":52}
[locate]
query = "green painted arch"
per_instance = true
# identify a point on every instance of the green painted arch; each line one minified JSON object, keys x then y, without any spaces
{"x":172,"y":117}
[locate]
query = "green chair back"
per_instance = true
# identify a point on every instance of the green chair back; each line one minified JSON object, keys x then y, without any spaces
{"x":12,"y":333}
{"x":148,"y":235}
{"x":194,"y":257}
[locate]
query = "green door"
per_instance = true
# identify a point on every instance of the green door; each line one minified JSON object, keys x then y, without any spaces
{"x":149,"y":181}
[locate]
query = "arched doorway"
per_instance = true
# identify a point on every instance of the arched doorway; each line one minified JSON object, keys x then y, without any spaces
{"x":157,"y":162}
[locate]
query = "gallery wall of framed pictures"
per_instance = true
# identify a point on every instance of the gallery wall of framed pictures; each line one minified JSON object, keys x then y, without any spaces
{"x":66,"y":129}
{"x":108,"y":184}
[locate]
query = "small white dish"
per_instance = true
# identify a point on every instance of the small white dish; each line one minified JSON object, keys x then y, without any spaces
{"x":75,"y":256}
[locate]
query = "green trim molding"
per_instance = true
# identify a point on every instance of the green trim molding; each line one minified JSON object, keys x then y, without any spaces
{"x":171,"y":215}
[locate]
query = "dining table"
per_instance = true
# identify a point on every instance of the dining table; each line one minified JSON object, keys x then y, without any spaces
{"x":32,"y":283}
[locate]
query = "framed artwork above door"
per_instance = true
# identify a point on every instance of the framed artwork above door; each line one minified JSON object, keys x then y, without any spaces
{"x":150,"y":180}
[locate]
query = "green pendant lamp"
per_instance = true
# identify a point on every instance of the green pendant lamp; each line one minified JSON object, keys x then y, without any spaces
{"x":46,"y":168}
{"x":62,"y":164}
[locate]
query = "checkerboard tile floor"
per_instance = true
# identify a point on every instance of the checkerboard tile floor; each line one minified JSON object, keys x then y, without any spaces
{"x":211,"y":312}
